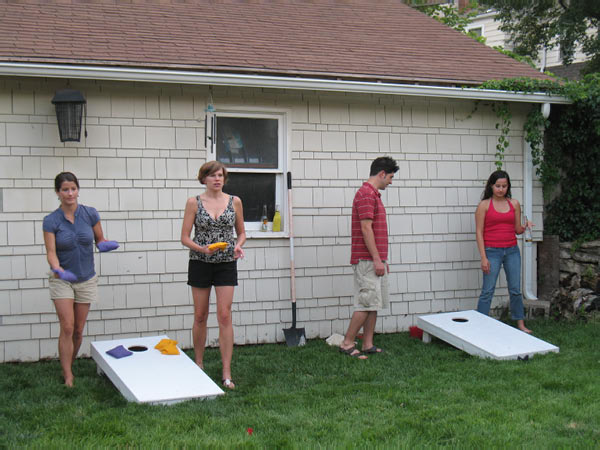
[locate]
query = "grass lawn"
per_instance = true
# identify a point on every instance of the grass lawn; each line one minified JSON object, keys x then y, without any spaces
{"x":414,"y":395}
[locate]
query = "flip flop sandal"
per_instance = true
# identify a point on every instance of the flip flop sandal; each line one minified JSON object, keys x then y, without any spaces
{"x":349,"y":352}
{"x":228,"y":383}
{"x":373,"y":350}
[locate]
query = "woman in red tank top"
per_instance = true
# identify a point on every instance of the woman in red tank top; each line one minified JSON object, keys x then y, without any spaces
{"x":497,"y":222}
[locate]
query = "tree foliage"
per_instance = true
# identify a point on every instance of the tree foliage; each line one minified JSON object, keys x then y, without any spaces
{"x":535,"y":24}
{"x":573,"y":149}
{"x":449,"y":15}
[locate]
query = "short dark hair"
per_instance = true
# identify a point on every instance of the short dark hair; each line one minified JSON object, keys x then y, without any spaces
{"x":385,"y":163}
{"x":211,"y":167}
{"x":495,"y":176}
{"x":62,"y":177}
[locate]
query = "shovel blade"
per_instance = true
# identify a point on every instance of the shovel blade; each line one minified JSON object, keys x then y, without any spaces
{"x":294,"y":337}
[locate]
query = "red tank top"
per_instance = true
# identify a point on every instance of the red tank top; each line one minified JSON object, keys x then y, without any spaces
{"x":499,"y":228}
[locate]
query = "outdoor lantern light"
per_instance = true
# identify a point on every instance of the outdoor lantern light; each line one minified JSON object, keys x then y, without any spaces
{"x":69,"y":105}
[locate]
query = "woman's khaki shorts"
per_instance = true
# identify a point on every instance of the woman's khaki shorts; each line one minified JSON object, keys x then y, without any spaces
{"x":370,"y":291}
{"x":84,"y":292}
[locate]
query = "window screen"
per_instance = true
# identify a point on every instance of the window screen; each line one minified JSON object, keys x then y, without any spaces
{"x":247,"y":142}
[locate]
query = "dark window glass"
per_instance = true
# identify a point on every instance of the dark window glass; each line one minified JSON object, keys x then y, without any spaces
{"x":247,"y":142}
{"x":476,"y":31}
{"x":255,"y":190}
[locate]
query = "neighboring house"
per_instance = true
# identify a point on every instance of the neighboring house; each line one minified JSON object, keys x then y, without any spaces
{"x":549,"y":60}
{"x":318,"y":88}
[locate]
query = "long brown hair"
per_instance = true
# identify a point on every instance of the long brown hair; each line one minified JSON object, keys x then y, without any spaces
{"x":495,"y":176}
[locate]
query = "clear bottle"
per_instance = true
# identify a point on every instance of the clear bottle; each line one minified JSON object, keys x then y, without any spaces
{"x":527,"y":235}
{"x":264,"y":219}
{"x":277,"y":219}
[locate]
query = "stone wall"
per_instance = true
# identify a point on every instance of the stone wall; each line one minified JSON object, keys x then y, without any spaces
{"x":579,"y":288}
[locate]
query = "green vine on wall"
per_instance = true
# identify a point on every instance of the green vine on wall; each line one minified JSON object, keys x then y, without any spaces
{"x":505,"y":119}
{"x":565,"y":151}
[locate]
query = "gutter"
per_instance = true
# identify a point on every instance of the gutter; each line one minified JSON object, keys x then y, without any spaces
{"x":528,"y":260}
{"x":528,"y":211}
{"x":266,"y":81}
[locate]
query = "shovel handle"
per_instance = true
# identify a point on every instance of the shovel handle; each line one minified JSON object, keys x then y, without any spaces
{"x":292,"y":266}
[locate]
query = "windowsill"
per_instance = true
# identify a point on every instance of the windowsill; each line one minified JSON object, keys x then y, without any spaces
{"x":257,"y":234}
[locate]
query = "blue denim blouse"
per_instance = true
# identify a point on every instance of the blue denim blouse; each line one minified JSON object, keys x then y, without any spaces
{"x":74,"y":241}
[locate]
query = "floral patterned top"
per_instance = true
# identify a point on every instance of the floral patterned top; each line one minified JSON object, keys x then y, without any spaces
{"x":208,"y":231}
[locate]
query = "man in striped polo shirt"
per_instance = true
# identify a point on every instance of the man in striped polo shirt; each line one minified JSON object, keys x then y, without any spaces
{"x":368,"y":257}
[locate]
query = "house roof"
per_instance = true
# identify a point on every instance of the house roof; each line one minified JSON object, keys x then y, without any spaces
{"x":382,"y":40}
{"x":571,"y":72}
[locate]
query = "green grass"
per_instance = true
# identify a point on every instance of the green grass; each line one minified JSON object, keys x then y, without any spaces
{"x":414,"y":395}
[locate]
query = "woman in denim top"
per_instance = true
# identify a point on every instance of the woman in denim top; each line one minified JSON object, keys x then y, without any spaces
{"x":69,"y":236}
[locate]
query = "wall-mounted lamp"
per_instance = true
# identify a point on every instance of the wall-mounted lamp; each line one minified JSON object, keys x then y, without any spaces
{"x":69,"y":105}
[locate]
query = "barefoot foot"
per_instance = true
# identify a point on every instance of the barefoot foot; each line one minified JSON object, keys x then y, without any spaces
{"x":522,"y":327}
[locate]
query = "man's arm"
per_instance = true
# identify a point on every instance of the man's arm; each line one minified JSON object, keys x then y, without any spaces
{"x":366,"y":227}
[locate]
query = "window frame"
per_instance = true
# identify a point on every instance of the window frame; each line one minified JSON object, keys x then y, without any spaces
{"x":474,"y":27}
{"x":283,"y":117}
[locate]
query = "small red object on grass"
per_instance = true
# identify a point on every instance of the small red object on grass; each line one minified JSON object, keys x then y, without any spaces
{"x":415,"y":332}
{"x":250,"y":431}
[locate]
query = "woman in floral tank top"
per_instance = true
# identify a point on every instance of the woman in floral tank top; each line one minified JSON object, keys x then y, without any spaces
{"x":213,"y":215}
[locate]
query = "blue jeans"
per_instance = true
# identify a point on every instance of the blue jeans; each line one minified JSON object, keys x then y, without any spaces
{"x":510,"y":258}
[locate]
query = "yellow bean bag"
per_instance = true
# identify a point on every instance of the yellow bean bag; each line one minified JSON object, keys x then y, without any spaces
{"x":167,"y":347}
{"x":218,"y":246}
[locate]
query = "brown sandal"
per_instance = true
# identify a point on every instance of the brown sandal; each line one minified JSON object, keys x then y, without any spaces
{"x":350,"y":352}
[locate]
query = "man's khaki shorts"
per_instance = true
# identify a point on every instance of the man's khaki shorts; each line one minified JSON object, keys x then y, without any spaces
{"x":84,"y":292}
{"x":371,"y":292}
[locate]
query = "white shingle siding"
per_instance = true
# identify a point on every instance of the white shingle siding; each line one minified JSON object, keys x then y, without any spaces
{"x":139,"y":164}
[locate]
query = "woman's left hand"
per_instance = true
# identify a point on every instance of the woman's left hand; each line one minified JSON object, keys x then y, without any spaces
{"x":238,"y":253}
{"x":529,"y":224}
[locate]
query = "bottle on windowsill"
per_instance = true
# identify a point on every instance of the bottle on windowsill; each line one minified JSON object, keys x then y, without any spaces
{"x":264,"y":220}
{"x":277,"y":219}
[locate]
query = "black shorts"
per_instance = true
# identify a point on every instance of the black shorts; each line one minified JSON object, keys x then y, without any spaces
{"x":204,"y":275}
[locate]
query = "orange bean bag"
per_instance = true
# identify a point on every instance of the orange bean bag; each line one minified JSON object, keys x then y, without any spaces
{"x":218,"y":245}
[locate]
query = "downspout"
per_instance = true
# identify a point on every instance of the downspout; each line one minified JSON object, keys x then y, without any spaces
{"x":543,"y":64}
{"x":528,"y":210}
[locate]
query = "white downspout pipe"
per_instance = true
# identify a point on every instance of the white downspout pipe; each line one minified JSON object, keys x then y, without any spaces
{"x":543,"y":64}
{"x":528,"y":210}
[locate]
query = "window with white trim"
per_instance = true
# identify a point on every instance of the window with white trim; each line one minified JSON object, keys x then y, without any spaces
{"x":252,"y":145}
{"x":475,"y":30}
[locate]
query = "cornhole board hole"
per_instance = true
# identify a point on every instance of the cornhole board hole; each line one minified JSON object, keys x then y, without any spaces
{"x":148,"y":376}
{"x":480,"y":335}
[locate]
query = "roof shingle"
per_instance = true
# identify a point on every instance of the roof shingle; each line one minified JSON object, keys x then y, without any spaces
{"x":348,"y":39}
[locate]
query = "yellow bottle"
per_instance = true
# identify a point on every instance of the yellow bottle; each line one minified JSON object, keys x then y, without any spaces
{"x":277,"y":219}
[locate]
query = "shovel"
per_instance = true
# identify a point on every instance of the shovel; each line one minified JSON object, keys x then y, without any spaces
{"x":293,"y":336}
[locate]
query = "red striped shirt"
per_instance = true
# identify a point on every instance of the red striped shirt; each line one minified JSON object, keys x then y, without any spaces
{"x":367,"y":205}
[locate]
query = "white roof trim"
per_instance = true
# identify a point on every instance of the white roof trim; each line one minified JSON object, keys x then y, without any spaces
{"x":263,"y":81}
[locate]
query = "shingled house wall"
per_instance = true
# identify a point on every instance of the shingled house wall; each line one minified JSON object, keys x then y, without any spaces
{"x":138,"y":165}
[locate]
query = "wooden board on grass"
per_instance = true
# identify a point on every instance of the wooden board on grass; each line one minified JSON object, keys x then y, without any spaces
{"x":148,"y":376}
{"x":478,"y":334}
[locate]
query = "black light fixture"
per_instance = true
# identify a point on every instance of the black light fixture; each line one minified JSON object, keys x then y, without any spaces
{"x":69,"y":105}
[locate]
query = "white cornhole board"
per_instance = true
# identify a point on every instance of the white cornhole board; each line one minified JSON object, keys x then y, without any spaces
{"x":478,"y":334}
{"x":150,"y":376}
